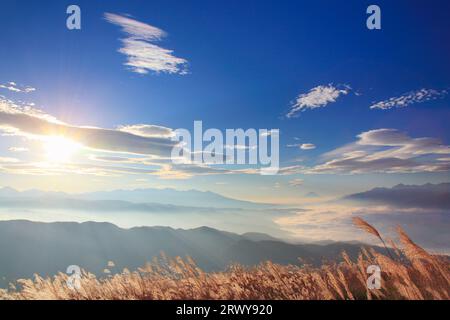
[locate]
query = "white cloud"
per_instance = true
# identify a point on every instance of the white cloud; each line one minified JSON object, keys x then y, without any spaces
{"x":317,"y":97}
{"x":146,"y":130}
{"x":386,"y":150}
{"x":33,"y":123}
{"x":12,"y":86}
{"x":307,"y":146}
{"x":303,"y":146}
{"x":148,"y":146}
{"x":144,"y":148}
{"x":46,"y":169}
{"x":409,"y":98}
{"x":18,"y":149}
{"x":143,"y":55}
{"x":291,"y":170}
{"x":8,"y":160}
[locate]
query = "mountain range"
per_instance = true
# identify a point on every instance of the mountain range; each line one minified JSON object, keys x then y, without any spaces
{"x":152,"y":207}
{"x":29,"y":247}
{"x":428,"y":195}
{"x":167,"y":196}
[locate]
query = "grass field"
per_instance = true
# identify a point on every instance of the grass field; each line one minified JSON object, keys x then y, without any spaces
{"x":407,"y":272}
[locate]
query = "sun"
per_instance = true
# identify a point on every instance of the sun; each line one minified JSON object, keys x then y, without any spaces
{"x":60,"y":149}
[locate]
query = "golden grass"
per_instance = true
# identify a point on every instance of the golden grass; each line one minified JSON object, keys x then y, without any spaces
{"x":412,"y":274}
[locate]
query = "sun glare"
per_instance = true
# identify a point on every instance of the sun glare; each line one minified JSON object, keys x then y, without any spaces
{"x":60,"y":149}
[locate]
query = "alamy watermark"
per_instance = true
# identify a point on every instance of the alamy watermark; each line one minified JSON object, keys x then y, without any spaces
{"x":73,"y":21}
{"x":74,"y":279}
{"x":238,"y":147}
{"x":374,"y":280}
{"x":373,"y":22}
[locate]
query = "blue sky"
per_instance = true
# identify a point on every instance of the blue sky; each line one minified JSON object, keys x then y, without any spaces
{"x":247,"y":63}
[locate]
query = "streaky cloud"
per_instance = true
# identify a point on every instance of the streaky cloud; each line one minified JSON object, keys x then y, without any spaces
{"x":14,"y":87}
{"x":409,"y":98}
{"x":386,"y":151}
{"x":32,"y":122}
{"x":142,"y":54}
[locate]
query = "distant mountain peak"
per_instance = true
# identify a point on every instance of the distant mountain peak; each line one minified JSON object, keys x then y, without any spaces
{"x":427,"y":195}
{"x":8,"y":189}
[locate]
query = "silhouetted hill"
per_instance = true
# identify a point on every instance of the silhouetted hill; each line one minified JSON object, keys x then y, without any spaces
{"x":47,"y":248}
{"x":409,"y":196}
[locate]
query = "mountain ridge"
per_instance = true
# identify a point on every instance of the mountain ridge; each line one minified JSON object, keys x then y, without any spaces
{"x":46,"y":248}
{"x":423,"y":196}
{"x":169,"y":196}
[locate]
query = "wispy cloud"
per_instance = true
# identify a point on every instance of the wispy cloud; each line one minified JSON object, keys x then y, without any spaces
{"x":142,"y":54}
{"x":12,"y":86}
{"x":386,"y":150}
{"x":8,"y":160}
{"x":18,"y":149}
{"x":59,"y":169}
{"x":410,"y":98}
{"x":307,"y":146}
{"x":296,"y":182}
{"x":131,"y":149}
{"x":303,"y":146}
{"x":146,"y":130}
{"x":291,"y":170}
{"x":34,"y":123}
{"x":317,"y":97}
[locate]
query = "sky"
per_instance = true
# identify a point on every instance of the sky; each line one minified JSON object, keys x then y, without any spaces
{"x":95,"y":109}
